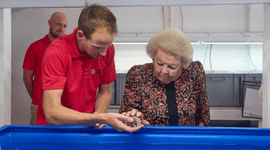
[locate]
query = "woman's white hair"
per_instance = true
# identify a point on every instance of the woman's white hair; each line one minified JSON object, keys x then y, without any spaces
{"x":173,"y":42}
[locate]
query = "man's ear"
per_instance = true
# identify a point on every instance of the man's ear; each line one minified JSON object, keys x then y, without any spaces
{"x":49,"y":22}
{"x":80,"y":35}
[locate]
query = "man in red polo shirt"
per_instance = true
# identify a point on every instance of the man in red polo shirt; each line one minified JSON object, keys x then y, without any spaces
{"x":74,"y":67}
{"x":32,"y":61}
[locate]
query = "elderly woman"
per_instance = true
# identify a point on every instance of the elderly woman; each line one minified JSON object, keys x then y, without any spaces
{"x":171,"y":91}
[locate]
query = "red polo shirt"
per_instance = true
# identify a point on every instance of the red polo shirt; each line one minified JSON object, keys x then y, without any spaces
{"x":32,"y":61}
{"x":64,"y":67}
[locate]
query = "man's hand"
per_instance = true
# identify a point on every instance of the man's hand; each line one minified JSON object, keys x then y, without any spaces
{"x":136,"y":113}
{"x":97,"y":125}
{"x":117,"y":121}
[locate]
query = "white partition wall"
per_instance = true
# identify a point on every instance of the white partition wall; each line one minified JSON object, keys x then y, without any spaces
{"x":5,"y":66}
{"x":266,"y":68}
{"x":2,"y":78}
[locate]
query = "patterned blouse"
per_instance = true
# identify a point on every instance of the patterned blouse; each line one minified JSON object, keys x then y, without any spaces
{"x":147,"y":94}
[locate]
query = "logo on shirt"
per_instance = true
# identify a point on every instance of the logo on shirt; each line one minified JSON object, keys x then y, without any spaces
{"x":93,"y":71}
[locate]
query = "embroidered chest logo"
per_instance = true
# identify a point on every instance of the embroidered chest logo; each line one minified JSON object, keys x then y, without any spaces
{"x":93,"y":71}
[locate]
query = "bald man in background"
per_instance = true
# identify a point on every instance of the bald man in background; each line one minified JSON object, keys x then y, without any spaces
{"x":33,"y":57}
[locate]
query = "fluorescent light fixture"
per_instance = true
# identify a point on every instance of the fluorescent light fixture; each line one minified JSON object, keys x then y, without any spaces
{"x":232,"y":43}
{"x":194,"y":43}
{"x":131,"y":43}
{"x":226,"y":43}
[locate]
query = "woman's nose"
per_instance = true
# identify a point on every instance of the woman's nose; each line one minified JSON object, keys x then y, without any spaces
{"x":164,"y":69}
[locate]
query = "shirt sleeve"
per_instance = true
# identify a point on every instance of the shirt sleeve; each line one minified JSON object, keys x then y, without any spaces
{"x":54,"y":68}
{"x":203,"y":112}
{"x":131,"y":98}
{"x":110,"y":72}
{"x":29,"y":62}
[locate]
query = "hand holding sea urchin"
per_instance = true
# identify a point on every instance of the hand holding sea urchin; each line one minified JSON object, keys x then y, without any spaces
{"x":135,"y":123}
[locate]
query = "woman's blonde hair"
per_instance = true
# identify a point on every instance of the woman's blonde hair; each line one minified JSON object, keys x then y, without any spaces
{"x":173,"y":42}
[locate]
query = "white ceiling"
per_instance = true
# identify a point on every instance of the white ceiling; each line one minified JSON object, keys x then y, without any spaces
{"x":80,"y":3}
{"x":208,"y":21}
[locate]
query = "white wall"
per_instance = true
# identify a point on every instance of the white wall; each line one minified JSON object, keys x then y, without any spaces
{"x":224,"y":58}
{"x":5,"y":67}
{"x":30,"y":24}
{"x":2,"y":77}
